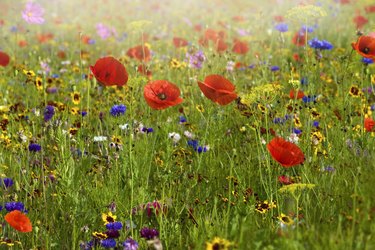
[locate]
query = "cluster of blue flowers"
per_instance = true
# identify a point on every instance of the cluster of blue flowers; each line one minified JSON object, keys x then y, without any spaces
{"x":14,"y":205}
{"x":34,"y":147}
{"x":195,"y":145}
{"x":321,"y":45}
{"x":6,"y":182}
{"x":49,"y":111}
{"x":118,"y":110}
{"x":282,"y":27}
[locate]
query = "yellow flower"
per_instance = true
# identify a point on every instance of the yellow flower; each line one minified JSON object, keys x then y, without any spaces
{"x":38,"y":83}
{"x":29,"y":73}
{"x":317,"y":137}
{"x":218,"y":244}
{"x":292,"y":188}
{"x":74,"y":110}
{"x":108,"y":218}
{"x":200,"y":108}
{"x":355,"y":91}
{"x":76,"y":97}
{"x":100,"y":236}
{"x":285,"y":219}
{"x":264,"y":206}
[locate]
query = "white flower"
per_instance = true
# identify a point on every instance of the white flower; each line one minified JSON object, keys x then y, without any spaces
{"x":293,"y":138}
{"x":174,"y":136}
{"x":124,"y":126}
{"x":188,"y":134}
{"x":100,"y":138}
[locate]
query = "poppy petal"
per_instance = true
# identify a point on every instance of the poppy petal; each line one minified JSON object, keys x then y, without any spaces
{"x":18,"y":221}
{"x":161,"y":94}
{"x":109,"y":72}
{"x":218,"y":89}
{"x":365,"y":46}
{"x":286,"y":153}
{"x":4,"y":59}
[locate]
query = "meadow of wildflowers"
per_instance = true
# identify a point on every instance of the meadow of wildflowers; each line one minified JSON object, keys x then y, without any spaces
{"x":168,"y":124}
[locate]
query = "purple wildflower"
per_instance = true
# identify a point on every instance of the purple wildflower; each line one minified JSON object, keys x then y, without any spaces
{"x":196,"y":60}
{"x":108,"y":243}
{"x":130,"y":244}
{"x":282,"y":27}
{"x":49,"y":111}
{"x":6,"y":182}
{"x":33,"y":13}
{"x":149,"y":233}
{"x":11,"y":206}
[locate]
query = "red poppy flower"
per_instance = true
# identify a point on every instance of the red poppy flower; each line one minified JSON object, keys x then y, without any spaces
{"x":360,"y":21}
{"x":179,"y":42}
{"x":369,"y":124}
{"x":161,"y":94}
{"x":292,"y":94}
{"x":43,"y":38}
{"x":218,"y":89}
{"x":141,"y":53}
{"x":299,"y":38}
{"x":198,"y":27}
{"x":279,"y":19}
{"x":85,"y":39}
{"x":240,"y":47}
{"x":220,"y":45}
{"x":203,"y":41}
{"x":4,"y":59}
{"x":285,"y":180}
{"x":286,"y":153}
{"x":211,"y":34}
{"x":22,"y":43}
{"x":239,"y":19}
{"x":365,"y":46}
{"x":109,"y":72}
{"x":18,"y":221}
{"x":370,"y":9}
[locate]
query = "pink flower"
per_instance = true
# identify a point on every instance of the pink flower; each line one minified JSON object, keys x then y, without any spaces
{"x":33,"y":13}
{"x":104,"y":31}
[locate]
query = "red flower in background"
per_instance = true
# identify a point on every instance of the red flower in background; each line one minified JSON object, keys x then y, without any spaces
{"x":292,"y":94}
{"x":161,"y":94}
{"x":43,"y":38}
{"x":221,"y":45}
{"x":369,"y":125}
{"x":109,"y":72}
{"x":140,"y":53}
{"x":218,"y":89}
{"x":365,"y":46}
{"x":360,"y":21}
{"x":240,"y":47}
{"x":179,"y":42}
{"x":4,"y":59}
{"x":299,"y":38}
{"x":18,"y":221}
{"x":286,"y":153}
{"x":370,"y":9}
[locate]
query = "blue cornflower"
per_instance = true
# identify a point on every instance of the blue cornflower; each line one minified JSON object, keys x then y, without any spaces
{"x":182,"y":119}
{"x":117,"y":225}
{"x":6,"y":182}
{"x":316,"y":124}
{"x":118,"y":110}
{"x":274,"y":68}
{"x":87,"y":245}
{"x":307,"y":99}
{"x":130,"y":244}
{"x":193,"y":143}
{"x":34,"y":147}
{"x":367,"y":61}
{"x":322,"y":45}
{"x":147,"y":130}
{"x":49,"y":111}
{"x":282,"y":27}
{"x":149,"y":233}
{"x":83,"y":113}
{"x":278,"y":120}
{"x":304,"y":81}
{"x":108,"y":243}
{"x":13,"y":205}
{"x":297,"y":131}
{"x":1,"y":208}
{"x":309,"y":29}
